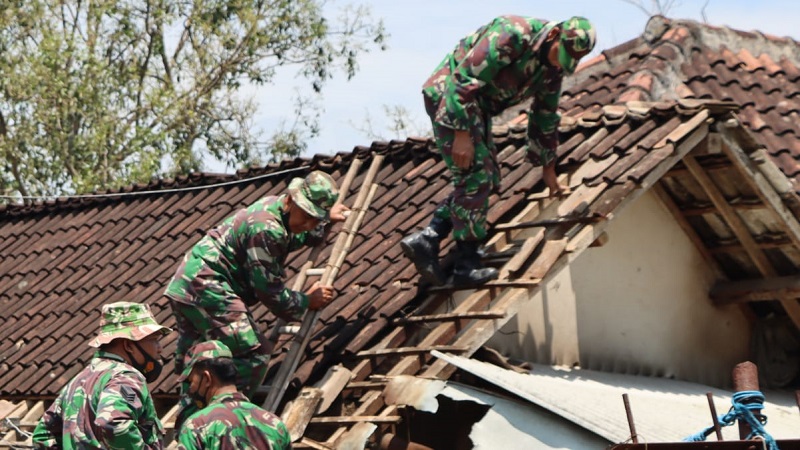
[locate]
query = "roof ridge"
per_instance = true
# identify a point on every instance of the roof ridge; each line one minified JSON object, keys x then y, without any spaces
{"x":712,"y":36}
{"x":159,"y":186}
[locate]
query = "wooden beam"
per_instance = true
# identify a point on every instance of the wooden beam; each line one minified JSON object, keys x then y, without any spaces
{"x":366,"y":385}
{"x":766,"y":245}
{"x":763,"y":188}
{"x":763,"y":289}
{"x":408,"y":350}
{"x":520,"y":282}
{"x":742,"y":233}
{"x":744,"y":205}
{"x":308,"y":443}
{"x":356,"y":419}
{"x":548,"y":222}
{"x":448,"y":317}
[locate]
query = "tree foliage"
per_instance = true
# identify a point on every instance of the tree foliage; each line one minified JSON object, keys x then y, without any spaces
{"x":98,"y":93}
{"x":397,"y":122}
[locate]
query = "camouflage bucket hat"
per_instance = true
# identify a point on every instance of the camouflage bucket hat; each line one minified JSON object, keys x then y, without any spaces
{"x":316,"y":194}
{"x":577,"y":40}
{"x":203,"y":351}
{"x":126,"y":320}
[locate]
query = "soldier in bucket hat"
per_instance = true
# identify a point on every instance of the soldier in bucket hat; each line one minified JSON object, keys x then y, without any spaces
{"x":239,"y":264}
{"x":227,"y":420}
{"x":108,"y":405}
{"x":504,"y":63}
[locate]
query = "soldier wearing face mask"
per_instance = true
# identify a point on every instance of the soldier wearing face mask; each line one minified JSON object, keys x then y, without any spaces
{"x":108,"y":405}
{"x":226,"y":419}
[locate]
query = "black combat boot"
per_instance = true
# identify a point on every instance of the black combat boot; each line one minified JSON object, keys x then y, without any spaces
{"x":422,"y":248}
{"x":468,"y":270}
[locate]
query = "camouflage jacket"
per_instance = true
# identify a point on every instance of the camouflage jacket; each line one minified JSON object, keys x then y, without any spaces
{"x":229,"y":422}
{"x":494,"y":68}
{"x":106,"y":406}
{"x":244,"y":257}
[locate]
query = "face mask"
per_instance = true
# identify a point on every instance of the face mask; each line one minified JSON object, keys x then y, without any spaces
{"x":151,"y":368}
{"x":198,"y":395}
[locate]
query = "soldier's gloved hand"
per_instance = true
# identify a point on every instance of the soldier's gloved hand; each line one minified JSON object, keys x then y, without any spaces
{"x":319,"y":296}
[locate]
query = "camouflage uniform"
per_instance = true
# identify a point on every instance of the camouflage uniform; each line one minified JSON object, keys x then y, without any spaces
{"x":498,"y":66}
{"x":107,"y":405}
{"x":238,"y":264}
{"x":232,"y":422}
{"x":229,"y":421}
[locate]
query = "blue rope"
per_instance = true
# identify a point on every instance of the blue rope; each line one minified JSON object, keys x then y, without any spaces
{"x":744,"y":403}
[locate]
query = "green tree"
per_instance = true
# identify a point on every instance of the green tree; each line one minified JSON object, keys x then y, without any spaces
{"x":95,"y":94}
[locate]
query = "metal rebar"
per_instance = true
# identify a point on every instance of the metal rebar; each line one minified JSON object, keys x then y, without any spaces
{"x":714,"y":418}
{"x":634,"y":436}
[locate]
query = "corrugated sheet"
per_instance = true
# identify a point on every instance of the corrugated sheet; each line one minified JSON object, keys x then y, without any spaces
{"x":663,"y":410}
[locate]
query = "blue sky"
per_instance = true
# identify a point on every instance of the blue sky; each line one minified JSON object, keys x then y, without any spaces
{"x":422,"y":32}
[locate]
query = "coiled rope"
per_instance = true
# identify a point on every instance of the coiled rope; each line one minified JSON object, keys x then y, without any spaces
{"x":744,"y":403}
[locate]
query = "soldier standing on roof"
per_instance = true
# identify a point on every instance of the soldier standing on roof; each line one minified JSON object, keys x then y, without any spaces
{"x":241,"y":263}
{"x":107,"y":405}
{"x":500,"y":65}
{"x":228,"y":420}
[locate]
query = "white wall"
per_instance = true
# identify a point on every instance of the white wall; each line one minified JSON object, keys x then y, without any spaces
{"x":636,"y":305}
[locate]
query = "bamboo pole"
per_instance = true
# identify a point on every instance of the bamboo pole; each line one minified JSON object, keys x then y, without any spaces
{"x":338,"y":254}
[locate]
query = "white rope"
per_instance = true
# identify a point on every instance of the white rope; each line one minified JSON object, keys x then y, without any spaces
{"x":158,"y":191}
{"x":17,"y":429}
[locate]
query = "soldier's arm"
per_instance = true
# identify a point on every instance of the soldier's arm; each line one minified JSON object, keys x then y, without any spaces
{"x":49,"y":430}
{"x":266,"y":278}
{"x":543,"y":119}
{"x":499,"y":45}
{"x":119,"y":410}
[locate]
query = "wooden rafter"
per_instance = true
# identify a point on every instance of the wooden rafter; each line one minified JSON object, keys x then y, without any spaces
{"x":763,"y":289}
{"x":741,"y":232}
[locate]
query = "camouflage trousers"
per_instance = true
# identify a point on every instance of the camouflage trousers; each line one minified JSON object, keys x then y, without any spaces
{"x":466,"y":206}
{"x":236,"y":329}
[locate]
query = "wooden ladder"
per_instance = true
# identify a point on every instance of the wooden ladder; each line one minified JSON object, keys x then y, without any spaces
{"x":301,"y":339}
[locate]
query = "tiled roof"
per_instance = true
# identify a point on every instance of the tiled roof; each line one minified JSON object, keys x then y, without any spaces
{"x":64,"y":259}
{"x":676,"y":59}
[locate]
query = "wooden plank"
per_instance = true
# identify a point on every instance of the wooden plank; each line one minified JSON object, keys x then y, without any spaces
{"x":515,"y":263}
{"x":408,"y":351}
{"x":742,"y":233}
{"x":448,"y":316}
{"x":366,"y":385}
{"x":763,"y":289}
{"x":299,"y":412}
{"x":442,"y":333}
{"x":558,"y":221}
{"x":551,"y":251}
{"x":308,"y":443}
{"x":331,"y":385}
{"x":529,"y":282}
{"x":356,"y":419}
{"x":364,"y":368}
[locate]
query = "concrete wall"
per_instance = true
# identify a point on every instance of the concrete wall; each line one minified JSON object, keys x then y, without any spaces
{"x":636,"y":305}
